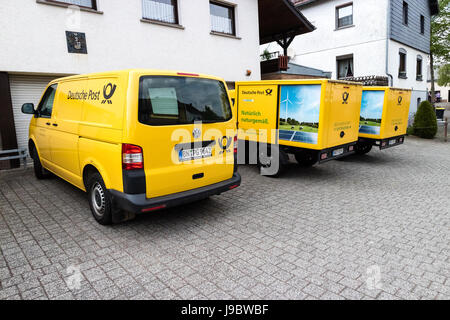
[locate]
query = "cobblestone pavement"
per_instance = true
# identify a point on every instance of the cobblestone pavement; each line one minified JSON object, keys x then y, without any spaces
{"x":376,"y":226}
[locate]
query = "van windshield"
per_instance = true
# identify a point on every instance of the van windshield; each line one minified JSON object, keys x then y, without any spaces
{"x":166,"y":100}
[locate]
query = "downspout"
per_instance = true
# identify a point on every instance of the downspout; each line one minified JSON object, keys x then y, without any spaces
{"x":388,"y":35}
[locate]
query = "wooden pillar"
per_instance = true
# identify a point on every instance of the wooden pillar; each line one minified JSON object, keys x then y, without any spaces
{"x":7,"y":127}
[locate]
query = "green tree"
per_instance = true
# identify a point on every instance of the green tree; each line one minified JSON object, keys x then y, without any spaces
{"x":444,"y":75}
{"x":425,"y":123}
{"x":440,"y":40}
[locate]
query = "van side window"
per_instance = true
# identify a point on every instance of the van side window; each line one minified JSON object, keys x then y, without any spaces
{"x":46,"y":105}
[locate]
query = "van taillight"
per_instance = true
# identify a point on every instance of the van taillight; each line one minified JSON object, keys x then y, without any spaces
{"x":132,"y":157}
{"x":235,"y":144}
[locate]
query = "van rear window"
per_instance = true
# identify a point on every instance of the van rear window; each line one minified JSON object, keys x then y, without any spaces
{"x":165,"y":100}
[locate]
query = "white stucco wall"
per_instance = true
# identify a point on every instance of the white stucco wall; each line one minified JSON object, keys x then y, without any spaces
{"x":366,"y":40}
{"x":419,"y":88}
{"x":411,"y":65}
{"x":33,"y":40}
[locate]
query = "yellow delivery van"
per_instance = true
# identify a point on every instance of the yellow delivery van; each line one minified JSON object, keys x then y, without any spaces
{"x":384,"y":118}
{"x":315,"y":120}
{"x":136,"y":140}
{"x":232,"y":94}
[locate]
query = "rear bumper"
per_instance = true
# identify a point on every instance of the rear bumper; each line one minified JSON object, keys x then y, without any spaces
{"x":138,"y":203}
{"x":384,"y":143}
{"x":347,"y":149}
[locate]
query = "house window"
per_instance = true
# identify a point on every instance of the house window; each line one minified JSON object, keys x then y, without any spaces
{"x":222,"y":18}
{"x":160,"y":10}
{"x":402,"y":64}
{"x":345,"y":67}
{"x":405,"y":13}
{"x":344,"y":16}
{"x":422,"y":24}
{"x":419,"y":68}
{"x":91,"y":4}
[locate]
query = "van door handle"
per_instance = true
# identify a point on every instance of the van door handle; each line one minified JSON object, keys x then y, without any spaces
{"x":55,"y":124}
{"x":48,"y":123}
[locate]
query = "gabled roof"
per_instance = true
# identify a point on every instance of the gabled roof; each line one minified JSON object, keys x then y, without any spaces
{"x":280,"y":18}
{"x":434,"y":5}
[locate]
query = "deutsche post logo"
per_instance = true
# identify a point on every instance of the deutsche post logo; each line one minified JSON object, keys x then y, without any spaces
{"x":345,"y":97}
{"x":269,"y":92}
{"x":108,"y":92}
{"x":400,"y":99}
{"x":225,"y":142}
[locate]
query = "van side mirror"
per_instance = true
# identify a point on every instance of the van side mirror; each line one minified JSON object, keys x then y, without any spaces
{"x":28,"y":108}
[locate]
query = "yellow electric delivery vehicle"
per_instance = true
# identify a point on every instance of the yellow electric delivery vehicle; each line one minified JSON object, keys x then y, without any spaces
{"x":315,"y":120}
{"x":136,"y":140}
{"x":384,"y":118}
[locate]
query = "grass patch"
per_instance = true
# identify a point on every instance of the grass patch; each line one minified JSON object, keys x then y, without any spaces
{"x":298,"y":128}
{"x":370,"y":123}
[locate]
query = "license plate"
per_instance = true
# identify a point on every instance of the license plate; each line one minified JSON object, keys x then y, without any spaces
{"x":391,"y":142}
{"x":338,"y":152}
{"x":197,"y":153}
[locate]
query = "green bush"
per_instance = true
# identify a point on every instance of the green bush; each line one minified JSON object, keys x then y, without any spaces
{"x":425,"y":123}
{"x":410,"y":131}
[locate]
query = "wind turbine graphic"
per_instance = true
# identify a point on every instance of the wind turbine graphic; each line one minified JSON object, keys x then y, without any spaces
{"x":287,"y":103}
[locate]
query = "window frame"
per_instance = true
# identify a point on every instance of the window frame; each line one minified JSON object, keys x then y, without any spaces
{"x":337,"y":15}
{"x":62,"y":2}
{"x":405,"y":15}
{"x":175,"y":11}
{"x":233,"y":9}
{"x":419,"y":60}
{"x":402,"y":74}
{"x":44,"y":98}
{"x":344,"y":58}
{"x":422,"y":24}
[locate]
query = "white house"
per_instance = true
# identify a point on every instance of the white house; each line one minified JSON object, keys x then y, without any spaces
{"x":44,"y":39}
{"x":389,"y":38}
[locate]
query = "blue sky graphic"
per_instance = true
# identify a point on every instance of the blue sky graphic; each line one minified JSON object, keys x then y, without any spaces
{"x":372,"y":104}
{"x":304,"y":105}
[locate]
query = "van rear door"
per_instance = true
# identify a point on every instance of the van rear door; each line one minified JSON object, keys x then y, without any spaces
{"x":185,"y":127}
{"x":395,"y":118}
{"x":343,"y":115}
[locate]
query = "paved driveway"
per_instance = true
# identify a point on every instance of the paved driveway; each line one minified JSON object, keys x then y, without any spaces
{"x":376,"y":226}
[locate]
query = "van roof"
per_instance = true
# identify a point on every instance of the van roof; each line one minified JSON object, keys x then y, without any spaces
{"x":296,"y":81}
{"x":127,"y":72}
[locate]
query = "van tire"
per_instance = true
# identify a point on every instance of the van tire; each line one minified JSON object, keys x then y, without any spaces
{"x":99,"y":199}
{"x":363,"y":148}
{"x":283,"y":162}
{"x":306,"y":158}
{"x":39,"y":171}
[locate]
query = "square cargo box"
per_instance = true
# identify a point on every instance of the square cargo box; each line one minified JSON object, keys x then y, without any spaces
{"x":384,"y":112}
{"x":314,"y":114}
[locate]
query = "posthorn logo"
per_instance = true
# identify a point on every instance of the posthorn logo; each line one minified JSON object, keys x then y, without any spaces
{"x":400,"y":99}
{"x":225,"y":142}
{"x":108,"y":92}
{"x":269,"y":92}
{"x":345,"y":97}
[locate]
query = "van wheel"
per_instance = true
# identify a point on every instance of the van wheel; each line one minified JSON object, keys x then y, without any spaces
{"x":39,"y":171}
{"x":265,"y":165}
{"x":99,"y":199}
{"x":363,"y":148}
{"x":306,"y":159}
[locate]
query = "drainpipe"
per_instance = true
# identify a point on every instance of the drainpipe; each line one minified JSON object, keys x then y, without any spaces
{"x":388,"y":16}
